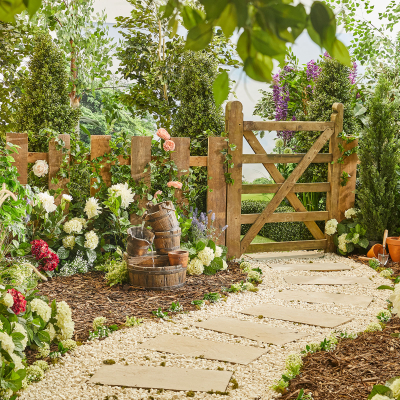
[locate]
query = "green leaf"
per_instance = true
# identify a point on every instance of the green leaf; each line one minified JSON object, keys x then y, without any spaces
{"x":33,"y":6}
{"x":341,"y":229}
{"x":191,"y":17}
{"x":63,"y":253}
{"x":8,"y":9}
{"x":199,"y":37}
{"x":44,"y":336}
{"x":363,"y":243}
{"x":200,"y":245}
{"x":80,"y":240}
{"x":211,"y":245}
{"x":91,"y":255}
{"x":341,"y":53}
{"x":221,"y":88}
{"x":380,"y":389}
{"x":214,"y":8}
{"x":267,"y":44}
{"x":385,"y":287}
{"x":228,"y":20}
{"x":245,"y":47}
{"x":259,"y":67}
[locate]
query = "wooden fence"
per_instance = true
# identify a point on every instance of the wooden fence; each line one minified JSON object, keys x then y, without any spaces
{"x":139,"y":159}
{"x":339,"y":198}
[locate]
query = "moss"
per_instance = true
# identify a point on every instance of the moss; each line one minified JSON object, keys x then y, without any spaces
{"x":190,"y":394}
{"x":176,"y":333}
{"x":108,"y":362}
{"x":164,"y":357}
{"x":220,"y":369}
{"x":159,"y":391}
{"x":218,"y":392}
{"x":235,"y":384}
{"x":260,"y":317}
{"x":162,"y":364}
{"x":201,"y":356}
{"x":147,"y":358}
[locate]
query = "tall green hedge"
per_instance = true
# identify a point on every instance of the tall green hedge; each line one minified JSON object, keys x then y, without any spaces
{"x":278,"y":231}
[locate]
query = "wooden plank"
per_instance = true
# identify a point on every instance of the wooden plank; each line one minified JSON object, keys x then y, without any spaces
{"x":285,"y":188}
{"x":140,"y":159}
{"x":234,"y":127}
{"x":216,"y":195}
{"x":198,"y":161}
{"x":21,"y":158}
{"x":99,"y":146}
{"x":284,"y":158}
{"x":334,"y":170}
{"x":287,"y":217}
{"x":181,"y":157}
{"x":278,"y":178}
{"x":347,"y":194}
{"x":286,"y":126}
{"x":56,"y":159}
{"x":297,"y":188}
{"x":33,"y":157}
{"x":287,"y":246}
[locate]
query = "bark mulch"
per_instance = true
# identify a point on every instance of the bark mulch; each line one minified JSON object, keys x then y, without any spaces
{"x":390,"y":264}
{"x":351,"y":370}
{"x":89,"y":296}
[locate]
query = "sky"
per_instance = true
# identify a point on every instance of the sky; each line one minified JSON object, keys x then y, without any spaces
{"x":247,"y":90}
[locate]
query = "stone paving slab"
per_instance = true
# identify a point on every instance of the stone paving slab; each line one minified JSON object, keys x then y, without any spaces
{"x":315,"y":266}
{"x":284,"y":255}
{"x":297,"y":315}
{"x":318,"y":297}
{"x":327,"y":280}
{"x":194,"y":347}
{"x":169,"y":378}
{"x":250,"y":330}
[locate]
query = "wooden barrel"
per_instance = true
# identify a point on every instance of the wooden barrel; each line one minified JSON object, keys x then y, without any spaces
{"x":139,"y":241}
{"x":155,"y":275}
{"x":161,"y":217}
{"x":165,"y":242}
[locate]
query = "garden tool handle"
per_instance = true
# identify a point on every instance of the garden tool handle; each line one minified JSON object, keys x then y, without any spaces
{"x":385,"y":235}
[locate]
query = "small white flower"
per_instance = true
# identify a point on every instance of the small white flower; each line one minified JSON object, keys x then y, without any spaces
{"x":67,"y":197}
{"x":195,"y":267}
{"x":20,"y":329}
{"x":350,"y":213}
{"x":287,"y":150}
{"x":92,"y":208}
{"x":40,"y":168}
{"x":395,"y":387}
{"x":123,"y":190}
{"x":279,"y":143}
{"x":69,"y":242}
{"x":92,"y":240}
{"x":331,"y":226}
{"x":41,"y":308}
{"x":99,"y":322}
{"x":206,"y":256}
{"x":224,"y":265}
{"x":74,"y":225}
{"x":8,"y":300}
{"x":7,"y":343}
{"x":218,"y":251}
{"x":47,"y":202}
{"x":342,"y":242}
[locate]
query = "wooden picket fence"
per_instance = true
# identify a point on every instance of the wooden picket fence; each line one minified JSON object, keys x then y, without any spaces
{"x":139,"y":159}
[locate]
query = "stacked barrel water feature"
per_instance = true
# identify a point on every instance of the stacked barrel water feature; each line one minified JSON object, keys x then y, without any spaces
{"x":166,"y":268}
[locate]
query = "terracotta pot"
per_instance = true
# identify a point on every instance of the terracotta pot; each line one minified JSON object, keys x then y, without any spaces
{"x":375,"y":250}
{"x":177,"y":257}
{"x":394,"y":248}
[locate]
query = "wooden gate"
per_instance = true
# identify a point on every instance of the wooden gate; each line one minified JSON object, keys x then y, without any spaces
{"x":338,"y":198}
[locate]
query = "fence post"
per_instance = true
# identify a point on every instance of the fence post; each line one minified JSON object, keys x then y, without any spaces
{"x":234,"y":127}
{"x":334,"y":170}
{"x":181,"y":157}
{"x":21,"y":158}
{"x":216,"y":195}
{"x":140,"y":157}
{"x":99,"y":146}
{"x":347,"y":194}
{"x":55,"y":160}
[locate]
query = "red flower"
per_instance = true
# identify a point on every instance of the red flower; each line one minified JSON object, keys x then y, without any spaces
{"x":19,"y":301}
{"x":51,"y":262}
{"x":40,"y":249}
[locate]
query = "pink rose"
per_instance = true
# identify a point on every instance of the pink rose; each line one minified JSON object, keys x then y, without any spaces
{"x":175,"y":184}
{"x":163,"y":134}
{"x":169,"y":145}
{"x":158,"y":193}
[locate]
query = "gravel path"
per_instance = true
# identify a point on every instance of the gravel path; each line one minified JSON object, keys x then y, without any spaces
{"x":68,"y":380}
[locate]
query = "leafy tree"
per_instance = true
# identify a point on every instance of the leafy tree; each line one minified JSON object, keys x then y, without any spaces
{"x":379,"y":156}
{"x":44,"y":102}
{"x":266,"y":28}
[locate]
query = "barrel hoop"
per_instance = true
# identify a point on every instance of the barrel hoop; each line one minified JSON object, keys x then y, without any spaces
{"x":138,"y":272}
{"x":163,"y":287}
{"x":149,"y":219}
{"x":167,"y":236}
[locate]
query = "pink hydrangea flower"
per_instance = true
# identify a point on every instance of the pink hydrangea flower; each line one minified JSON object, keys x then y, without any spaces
{"x":169,"y":145}
{"x":158,"y":193}
{"x":163,"y":134}
{"x":175,"y":184}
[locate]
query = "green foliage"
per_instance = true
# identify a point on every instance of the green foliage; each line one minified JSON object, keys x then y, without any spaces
{"x":45,"y":102}
{"x":116,"y":271}
{"x":379,"y":156}
{"x":133,"y":321}
{"x":373,"y":263}
{"x":175,"y":307}
{"x":160,"y":313}
{"x":354,"y":235}
{"x":212,"y":297}
{"x":278,"y":231}
{"x":10,"y":8}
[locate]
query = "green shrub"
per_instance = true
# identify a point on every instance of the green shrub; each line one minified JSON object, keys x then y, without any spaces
{"x":278,"y":231}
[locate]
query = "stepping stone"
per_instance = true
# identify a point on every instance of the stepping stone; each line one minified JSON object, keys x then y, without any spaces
{"x":284,"y":255}
{"x":250,"y":330}
{"x":315,"y":266}
{"x":193,"y":347}
{"x":297,"y":315}
{"x":168,"y":378}
{"x":327,"y":280}
{"x":318,"y":297}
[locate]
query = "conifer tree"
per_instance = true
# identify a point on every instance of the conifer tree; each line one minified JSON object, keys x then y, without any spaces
{"x":379,"y":155}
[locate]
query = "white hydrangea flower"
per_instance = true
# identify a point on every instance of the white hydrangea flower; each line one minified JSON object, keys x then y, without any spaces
{"x":395,"y":299}
{"x":92,"y":240}
{"x":287,"y":150}
{"x":6,"y":393}
{"x":92,"y":208}
{"x":206,"y":256}
{"x":44,"y":351}
{"x":395,"y":388}
{"x":224,"y":265}
{"x":342,"y":242}
{"x":373,"y":326}
{"x":7,"y":343}
{"x":47,"y":202}
{"x":254,"y":276}
{"x":42,"y":365}
{"x":8,"y":300}
{"x":279,"y":143}
{"x":350,"y":213}
{"x":74,"y":225}
{"x":64,"y":321}
{"x":195,"y":267}
{"x":380,"y":397}
{"x":218,"y":251}
{"x":294,"y":362}
{"x":40,"y":168}
{"x":51,"y":331}
{"x":67,"y":197}
{"x":20,"y":329}
{"x":123,"y":190}
{"x":386,"y":273}
{"x":34,"y":373}
{"x":98,"y":322}
{"x":248,"y":286}
{"x":69,"y":344}
{"x":41,"y":308}
{"x":245,"y":264}
{"x":69,"y":242}
{"x":17,"y":362}
{"x":331,"y":226}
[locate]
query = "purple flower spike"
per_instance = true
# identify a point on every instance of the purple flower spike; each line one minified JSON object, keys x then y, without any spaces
{"x":213,"y":217}
{"x":224,"y":228}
